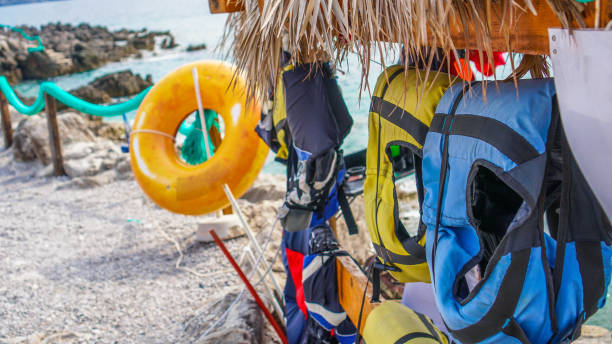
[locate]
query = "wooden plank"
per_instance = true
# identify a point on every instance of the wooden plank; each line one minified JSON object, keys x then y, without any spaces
{"x":6,"y":121}
{"x":225,"y":6}
{"x":228,"y":6}
{"x":54,"y":137}
{"x":333,"y":223}
{"x":351,"y":284}
{"x":529,"y":34}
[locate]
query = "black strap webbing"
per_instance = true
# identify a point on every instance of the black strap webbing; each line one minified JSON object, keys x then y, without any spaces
{"x":415,"y":335}
{"x":563,"y":227}
{"x":351,"y":224}
{"x":446,"y":127}
{"x":588,"y":250}
{"x":505,"y":302}
{"x":513,"y":329}
{"x":398,"y":116}
{"x":384,"y":91}
{"x":377,"y":269}
{"x":375,"y":284}
{"x":429,"y":326}
{"x":411,"y":244}
{"x":590,"y":262}
{"x":496,"y":133}
{"x":398,"y":258}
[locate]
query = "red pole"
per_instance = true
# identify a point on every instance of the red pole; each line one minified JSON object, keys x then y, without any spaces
{"x":252,"y":290}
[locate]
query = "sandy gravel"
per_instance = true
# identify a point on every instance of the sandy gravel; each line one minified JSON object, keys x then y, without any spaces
{"x":89,"y":265}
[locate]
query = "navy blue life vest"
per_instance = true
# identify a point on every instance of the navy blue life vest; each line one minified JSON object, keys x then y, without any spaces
{"x":505,"y":200}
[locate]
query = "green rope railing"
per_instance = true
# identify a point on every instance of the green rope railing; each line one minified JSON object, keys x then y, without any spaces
{"x":40,"y":46}
{"x":69,"y":100}
{"x":191,"y":150}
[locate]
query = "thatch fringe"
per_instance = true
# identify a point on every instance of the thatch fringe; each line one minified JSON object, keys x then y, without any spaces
{"x":330,"y":29}
{"x":536,"y":65}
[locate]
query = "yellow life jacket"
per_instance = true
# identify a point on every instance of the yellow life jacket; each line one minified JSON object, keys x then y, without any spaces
{"x":279,"y":115}
{"x":392,"y":322}
{"x":400,"y":114}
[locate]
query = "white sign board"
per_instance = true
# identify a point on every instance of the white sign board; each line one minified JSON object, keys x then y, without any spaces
{"x":582,"y":65}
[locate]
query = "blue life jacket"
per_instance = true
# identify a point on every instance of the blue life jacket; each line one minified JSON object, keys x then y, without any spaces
{"x":311,"y":292}
{"x":505,"y":195}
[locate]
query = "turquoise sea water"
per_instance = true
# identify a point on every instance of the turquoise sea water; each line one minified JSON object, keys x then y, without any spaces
{"x":191,"y":23}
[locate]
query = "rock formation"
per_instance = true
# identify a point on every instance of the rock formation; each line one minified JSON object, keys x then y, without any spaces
{"x":31,"y":138}
{"x":71,"y":49}
{"x":196,"y":47}
{"x":90,"y":160}
{"x":243,"y":324}
{"x":121,"y":84}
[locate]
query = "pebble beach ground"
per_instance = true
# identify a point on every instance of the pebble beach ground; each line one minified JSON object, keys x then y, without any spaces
{"x":90,"y":266}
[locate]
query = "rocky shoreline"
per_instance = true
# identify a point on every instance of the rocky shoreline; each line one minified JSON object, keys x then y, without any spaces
{"x":72,"y":49}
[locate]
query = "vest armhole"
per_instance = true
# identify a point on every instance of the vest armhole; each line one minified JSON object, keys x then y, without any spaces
{"x":492,"y":204}
{"x":400,"y":230}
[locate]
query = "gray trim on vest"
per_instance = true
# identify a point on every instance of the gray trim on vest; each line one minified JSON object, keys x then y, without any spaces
{"x":397,"y":258}
{"x":524,"y":175}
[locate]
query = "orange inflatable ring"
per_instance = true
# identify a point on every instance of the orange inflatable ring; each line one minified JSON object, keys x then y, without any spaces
{"x":160,"y":172}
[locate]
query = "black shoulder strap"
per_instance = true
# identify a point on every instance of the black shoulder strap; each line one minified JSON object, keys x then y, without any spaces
{"x":446,"y":128}
{"x":400,"y":117}
{"x":499,"y":135}
{"x":387,"y":261}
{"x":384,"y":257}
{"x":582,"y":221}
{"x":351,"y":224}
{"x":396,"y":115}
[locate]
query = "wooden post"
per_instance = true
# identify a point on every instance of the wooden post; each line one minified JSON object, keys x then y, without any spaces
{"x":333,"y":223}
{"x":54,"y":137}
{"x":351,"y":285}
{"x":6,"y":121}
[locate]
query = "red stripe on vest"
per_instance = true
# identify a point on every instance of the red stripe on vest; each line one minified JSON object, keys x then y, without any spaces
{"x":295,"y":261}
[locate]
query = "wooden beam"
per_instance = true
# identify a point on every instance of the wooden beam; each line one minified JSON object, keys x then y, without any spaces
{"x":7,"y":126}
{"x":228,"y":6}
{"x":529,"y":34}
{"x":225,"y":6}
{"x":54,"y":136}
{"x":351,"y":284}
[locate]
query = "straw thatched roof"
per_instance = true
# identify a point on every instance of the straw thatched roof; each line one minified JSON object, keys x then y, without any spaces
{"x":330,"y":29}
